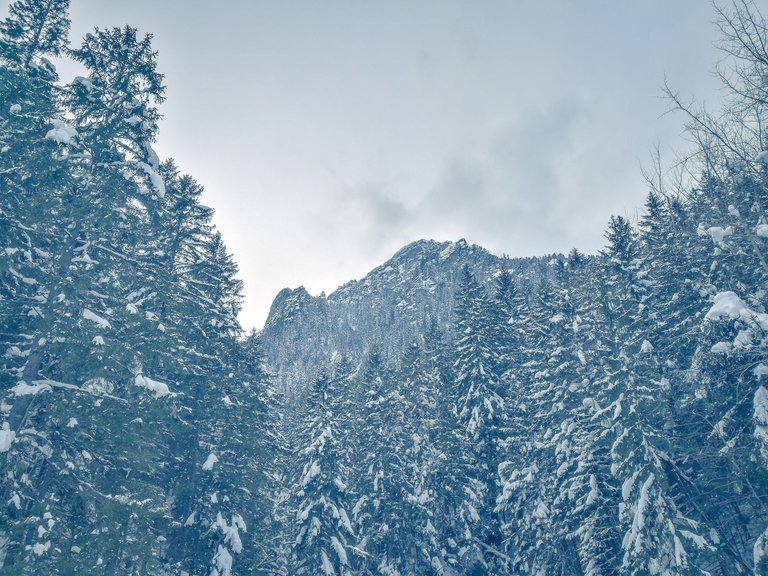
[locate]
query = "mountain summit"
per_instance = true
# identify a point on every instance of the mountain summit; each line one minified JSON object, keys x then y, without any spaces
{"x":385,"y":310}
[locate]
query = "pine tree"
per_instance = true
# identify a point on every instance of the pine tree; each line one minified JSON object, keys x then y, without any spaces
{"x":320,"y":500}
{"x":34,"y":29}
{"x":479,"y":409}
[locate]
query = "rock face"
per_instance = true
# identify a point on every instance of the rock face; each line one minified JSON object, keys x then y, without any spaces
{"x":386,"y":310}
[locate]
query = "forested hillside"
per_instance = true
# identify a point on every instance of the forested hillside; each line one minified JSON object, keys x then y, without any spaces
{"x":451,"y":413}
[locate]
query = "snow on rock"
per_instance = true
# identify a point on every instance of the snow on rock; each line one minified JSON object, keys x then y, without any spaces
{"x":210,"y":461}
{"x":61,"y":132}
{"x":15,"y":108}
{"x":72,"y":423}
{"x":762,"y":157}
{"x":446,"y":252}
{"x":728,"y":305}
{"x":15,"y":501}
{"x":646,"y":347}
{"x":7,"y":436}
{"x":159,"y":388}
{"x":96,"y":319}
{"x":762,"y":230}
{"x":98,"y":341}
{"x":760,"y":371}
{"x":24,"y":389}
{"x":155,"y":178}
{"x":190,"y":521}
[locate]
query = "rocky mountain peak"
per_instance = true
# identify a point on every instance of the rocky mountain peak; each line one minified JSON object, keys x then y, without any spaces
{"x":386,"y":309}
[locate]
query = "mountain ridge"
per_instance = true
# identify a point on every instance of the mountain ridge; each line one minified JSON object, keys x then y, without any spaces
{"x":385,"y":309}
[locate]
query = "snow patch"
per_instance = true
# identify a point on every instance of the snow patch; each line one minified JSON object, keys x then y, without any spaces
{"x":39,"y":548}
{"x":231,"y":531}
{"x":7,"y":436}
{"x":760,"y":414}
{"x":159,"y":388}
{"x":84,"y":82}
{"x":222,"y":562}
{"x":762,"y":230}
{"x":340,"y":551}
{"x":152,"y":157}
{"x":95,"y":318}
{"x":210,"y":461}
{"x":729,"y":305}
{"x":760,"y":552}
{"x":718,"y":234}
{"x":325,"y":564}
{"x":98,"y":386}
{"x":61,"y":132}
{"x":157,"y":181}
{"x":24,"y":389}
{"x":13,"y":352}
{"x":310,"y":472}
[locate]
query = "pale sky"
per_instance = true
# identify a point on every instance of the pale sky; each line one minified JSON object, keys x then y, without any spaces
{"x":329,"y":134}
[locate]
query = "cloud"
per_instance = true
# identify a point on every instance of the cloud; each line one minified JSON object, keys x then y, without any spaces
{"x":512,"y":193}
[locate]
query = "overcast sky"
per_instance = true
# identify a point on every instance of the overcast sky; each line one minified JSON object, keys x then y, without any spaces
{"x":329,"y":134}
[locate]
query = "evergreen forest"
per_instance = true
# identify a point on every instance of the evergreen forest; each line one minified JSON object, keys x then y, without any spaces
{"x":453,"y":413}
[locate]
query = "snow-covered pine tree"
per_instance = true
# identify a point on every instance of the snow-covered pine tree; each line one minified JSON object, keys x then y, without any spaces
{"x":480,"y":410}
{"x":320,"y":502}
{"x":425,"y":458}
